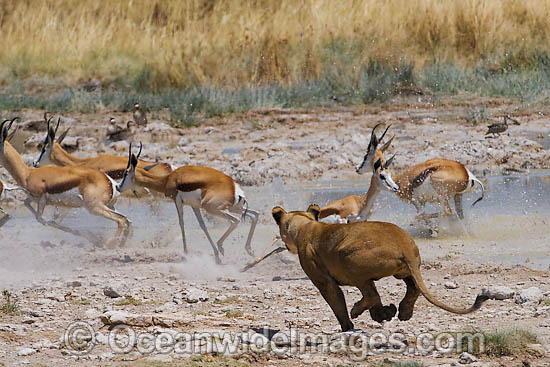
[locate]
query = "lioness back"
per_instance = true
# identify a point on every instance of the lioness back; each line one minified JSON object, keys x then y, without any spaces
{"x":378,"y":248}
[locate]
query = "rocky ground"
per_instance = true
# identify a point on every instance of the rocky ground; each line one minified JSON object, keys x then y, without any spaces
{"x":69,"y":299}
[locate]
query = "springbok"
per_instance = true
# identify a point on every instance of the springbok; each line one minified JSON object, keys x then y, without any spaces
{"x":113,"y":165}
{"x":63,"y":186}
{"x":200,"y":188}
{"x":358,"y":208}
{"x":434,"y":181}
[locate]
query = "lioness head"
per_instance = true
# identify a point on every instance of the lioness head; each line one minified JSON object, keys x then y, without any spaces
{"x":284,"y":220}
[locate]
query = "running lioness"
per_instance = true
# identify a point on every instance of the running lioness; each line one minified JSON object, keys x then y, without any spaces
{"x":357,"y":254}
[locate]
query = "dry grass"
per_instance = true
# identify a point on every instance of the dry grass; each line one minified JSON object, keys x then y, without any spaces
{"x":148,"y":45}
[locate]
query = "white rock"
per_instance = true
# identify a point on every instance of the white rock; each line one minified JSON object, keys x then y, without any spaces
{"x":466,"y":358}
{"x":194,"y":295}
{"x":451,"y":285}
{"x":167,"y":307}
{"x":529,"y":295}
{"x":498,"y":292}
{"x":111,"y":292}
{"x":22,"y":352}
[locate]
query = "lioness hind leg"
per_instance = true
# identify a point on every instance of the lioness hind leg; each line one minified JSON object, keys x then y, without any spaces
{"x":370,"y":298}
{"x":380,"y":313}
{"x":371,"y":301}
{"x":406,"y":306}
{"x":332,"y":293}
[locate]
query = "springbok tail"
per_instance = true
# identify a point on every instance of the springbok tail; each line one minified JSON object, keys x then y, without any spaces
{"x":473,"y":180}
{"x":245,"y":207}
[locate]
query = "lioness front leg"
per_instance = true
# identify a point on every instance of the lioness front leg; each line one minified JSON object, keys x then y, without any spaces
{"x":332,"y":293}
{"x":406,"y":306}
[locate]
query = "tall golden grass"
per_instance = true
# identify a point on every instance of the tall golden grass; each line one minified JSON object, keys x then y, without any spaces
{"x":244,"y":42}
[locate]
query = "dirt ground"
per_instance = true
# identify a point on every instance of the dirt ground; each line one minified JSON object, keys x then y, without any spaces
{"x":57,"y":280}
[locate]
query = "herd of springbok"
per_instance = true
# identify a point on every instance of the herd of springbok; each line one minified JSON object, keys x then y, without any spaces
{"x":95,"y":183}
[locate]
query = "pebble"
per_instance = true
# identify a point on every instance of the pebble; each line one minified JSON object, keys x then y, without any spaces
{"x":110,"y":292}
{"x":194,"y":295}
{"x":529,"y":295}
{"x":498,"y":292}
{"x":466,"y":358}
{"x":23,"y":352}
{"x":451,"y":285}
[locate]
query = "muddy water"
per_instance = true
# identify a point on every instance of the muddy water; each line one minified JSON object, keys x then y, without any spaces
{"x":510,"y":226}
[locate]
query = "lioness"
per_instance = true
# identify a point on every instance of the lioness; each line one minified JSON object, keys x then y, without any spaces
{"x":357,"y":254}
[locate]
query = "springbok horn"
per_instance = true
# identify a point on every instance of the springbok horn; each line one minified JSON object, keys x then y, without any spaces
{"x":57,"y":126}
{"x":129,"y":156}
{"x":388,"y":162}
{"x":384,"y":134}
{"x":12,"y":121}
{"x":49,"y":120}
{"x":373,"y":138}
{"x":46,"y":115}
{"x":140,"y":148}
{"x":11,"y":135}
{"x":2,"y":130}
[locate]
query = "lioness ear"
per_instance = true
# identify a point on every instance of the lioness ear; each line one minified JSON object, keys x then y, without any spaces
{"x":315,"y":210}
{"x":277,"y":213}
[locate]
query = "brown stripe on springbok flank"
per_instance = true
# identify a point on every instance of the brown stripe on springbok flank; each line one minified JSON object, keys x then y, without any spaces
{"x":116,"y":173}
{"x":418,"y":180}
{"x":62,"y":186}
{"x":188,"y":187}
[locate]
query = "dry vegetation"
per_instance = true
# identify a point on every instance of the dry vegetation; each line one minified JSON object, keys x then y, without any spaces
{"x":153,"y":44}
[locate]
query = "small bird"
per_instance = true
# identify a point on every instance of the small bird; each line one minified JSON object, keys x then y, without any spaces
{"x":139,"y":115}
{"x":116,"y":132}
{"x":36,"y":125}
{"x":498,"y":128}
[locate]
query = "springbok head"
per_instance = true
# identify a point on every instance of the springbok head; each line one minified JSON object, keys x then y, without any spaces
{"x":129,"y":176}
{"x":373,"y":151}
{"x":48,"y":144}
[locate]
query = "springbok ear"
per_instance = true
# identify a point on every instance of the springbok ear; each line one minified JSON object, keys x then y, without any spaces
{"x":388,"y":162}
{"x":315,"y":210}
{"x":387,"y":144}
{"x":150,"y":167}
{"x":62,"y":136}
{"x":377,"y":164}
{"x":277,"y":214}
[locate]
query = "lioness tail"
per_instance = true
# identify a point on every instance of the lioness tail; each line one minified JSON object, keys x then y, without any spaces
{"x":415,"y":272}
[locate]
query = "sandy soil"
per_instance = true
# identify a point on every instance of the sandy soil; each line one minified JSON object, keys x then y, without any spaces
{"x":57,"y":280}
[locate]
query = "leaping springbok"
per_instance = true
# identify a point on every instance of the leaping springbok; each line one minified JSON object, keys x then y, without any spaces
{"x":200,"y":188}
{"x":358,"y":208}
{"x":434,"y":181}
{"x":63,"y":186}
{"x":113,"y":165}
